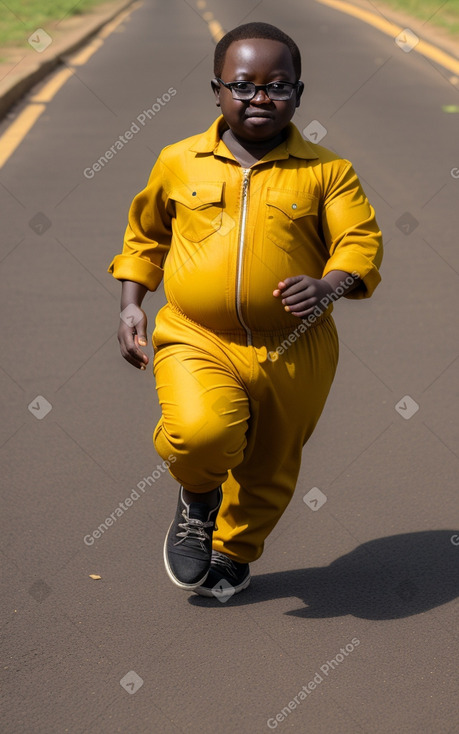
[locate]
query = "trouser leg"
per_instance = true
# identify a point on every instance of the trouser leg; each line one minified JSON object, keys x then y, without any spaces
{"x":293,"y":392}
{"x":231,"y":416}
{"x":205,"y":412}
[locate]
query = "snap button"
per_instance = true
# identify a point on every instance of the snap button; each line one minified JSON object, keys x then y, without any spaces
{"x":194,"y":193}
{"x":294,"y":206}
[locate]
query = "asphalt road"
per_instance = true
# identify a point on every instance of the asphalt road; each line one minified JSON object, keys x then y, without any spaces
{"x":357,"y":596}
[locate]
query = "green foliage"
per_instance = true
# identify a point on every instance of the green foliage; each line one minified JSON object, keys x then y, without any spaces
{"x":433,"y":12}
{"x":20,"y":18}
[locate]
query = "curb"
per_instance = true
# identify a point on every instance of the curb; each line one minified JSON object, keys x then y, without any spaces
{"x":18,"y":86}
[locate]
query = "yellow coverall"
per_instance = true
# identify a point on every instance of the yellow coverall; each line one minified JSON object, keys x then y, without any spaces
{"x":241,"y":382}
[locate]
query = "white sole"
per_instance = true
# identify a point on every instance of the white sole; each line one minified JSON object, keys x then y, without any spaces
{"x":180,"y":584}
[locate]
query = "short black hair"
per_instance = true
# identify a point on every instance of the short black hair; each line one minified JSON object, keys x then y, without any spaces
{"x":255,"y":30}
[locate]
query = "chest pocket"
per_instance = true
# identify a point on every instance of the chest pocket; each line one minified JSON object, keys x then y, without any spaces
{"x":289,"y":217}
{"x":198,"y":209}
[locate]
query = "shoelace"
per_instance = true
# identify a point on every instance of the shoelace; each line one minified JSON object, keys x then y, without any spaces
{"x":226,"y":564}
{"x":193,"y":528}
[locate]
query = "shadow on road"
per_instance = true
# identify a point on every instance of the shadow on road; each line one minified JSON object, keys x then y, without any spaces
{"x":387,"y":578}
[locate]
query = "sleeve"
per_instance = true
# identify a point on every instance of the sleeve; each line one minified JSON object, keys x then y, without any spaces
{"x":351,"y":233}
{"x":148,"y":234}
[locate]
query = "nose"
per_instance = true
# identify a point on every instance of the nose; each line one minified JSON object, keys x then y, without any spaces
{"x":261,"y":96}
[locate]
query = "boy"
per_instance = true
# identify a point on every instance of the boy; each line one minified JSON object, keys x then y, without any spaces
{"x":257,"y":233}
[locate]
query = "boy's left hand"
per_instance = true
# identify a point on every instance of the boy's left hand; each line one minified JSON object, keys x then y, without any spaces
{"x":301,"y":294}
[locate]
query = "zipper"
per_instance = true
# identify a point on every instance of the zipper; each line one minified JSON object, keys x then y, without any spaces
{"x":242,"y":226}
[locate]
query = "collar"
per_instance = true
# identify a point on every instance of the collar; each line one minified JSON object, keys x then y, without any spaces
{"x":294,"y":145}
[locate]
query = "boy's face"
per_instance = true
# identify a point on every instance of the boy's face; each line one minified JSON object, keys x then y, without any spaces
{"x":261,"y":61}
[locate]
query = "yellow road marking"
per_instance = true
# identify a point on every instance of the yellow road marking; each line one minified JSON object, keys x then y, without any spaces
{"x":216,"y":30}
{"x":18,"y":130}
{"x":392,"y":29}
{"x":51,"y":88}
{"x":110,"y":27}
{"x":82,"y":57}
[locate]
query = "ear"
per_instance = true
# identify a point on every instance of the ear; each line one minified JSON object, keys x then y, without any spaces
{"x":216,"y":89}
{"x":299,"y":92}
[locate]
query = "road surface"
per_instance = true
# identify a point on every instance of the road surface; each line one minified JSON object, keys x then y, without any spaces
{"x":350,"y":624}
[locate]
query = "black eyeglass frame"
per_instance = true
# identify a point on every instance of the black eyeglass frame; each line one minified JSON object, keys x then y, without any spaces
{"x":294,"y":86}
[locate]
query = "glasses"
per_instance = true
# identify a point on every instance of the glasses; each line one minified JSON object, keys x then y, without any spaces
{"x":276,"y":91}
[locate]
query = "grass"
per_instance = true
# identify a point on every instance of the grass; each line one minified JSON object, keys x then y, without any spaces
{"x":20,"y":18}
{"x":433,"y":12}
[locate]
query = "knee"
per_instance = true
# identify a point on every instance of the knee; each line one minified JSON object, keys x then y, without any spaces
{"x":203,"y":438}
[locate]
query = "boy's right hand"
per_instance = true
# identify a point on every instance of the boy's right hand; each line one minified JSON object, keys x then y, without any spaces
{"x":132,"y":333}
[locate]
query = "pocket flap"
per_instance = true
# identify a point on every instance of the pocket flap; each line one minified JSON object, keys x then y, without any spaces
{"x":293,"y":203}
{"x":198,"y":194}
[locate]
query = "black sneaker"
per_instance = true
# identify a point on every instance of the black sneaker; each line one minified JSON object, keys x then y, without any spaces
{"x":188,"y":544}
{"x":226,"y":577}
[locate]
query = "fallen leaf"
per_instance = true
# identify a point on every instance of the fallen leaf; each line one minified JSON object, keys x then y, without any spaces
{"x":94,"y":576}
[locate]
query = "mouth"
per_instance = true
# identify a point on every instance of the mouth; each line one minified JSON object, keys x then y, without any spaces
{"x":263,"y":115}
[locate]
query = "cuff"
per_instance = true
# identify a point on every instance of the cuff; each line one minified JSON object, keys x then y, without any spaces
{"x":139,"y":270}
{"x":355,"y":263}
